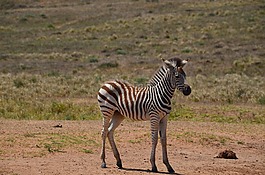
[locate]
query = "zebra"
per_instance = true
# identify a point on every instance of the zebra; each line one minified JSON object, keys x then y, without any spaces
{"x":118,"y":99}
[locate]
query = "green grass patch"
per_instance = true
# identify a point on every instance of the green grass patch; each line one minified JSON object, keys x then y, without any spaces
{"x":202,"y":138}
{"x":48,"y":111}
{"x":218,"y":113}
{"x":88,"y":151}
{"x":135,"y":141}
{"x":61,"y":142}
{"x":181,"y":113}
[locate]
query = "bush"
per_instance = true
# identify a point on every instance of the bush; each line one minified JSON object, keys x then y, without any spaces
{"x":261,"y":100}
{"x":93,"y":60}
{"x":109,"y":65}
{"x":18,"y":83}
{"x":121,"y":52}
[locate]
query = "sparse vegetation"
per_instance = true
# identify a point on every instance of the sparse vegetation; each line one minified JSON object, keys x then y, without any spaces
{"x":50,"y":58}
{"x":201,"y":138}
{"x":58,"y":142}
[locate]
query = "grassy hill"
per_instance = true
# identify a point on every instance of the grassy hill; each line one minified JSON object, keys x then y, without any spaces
{"x":55,"y":54}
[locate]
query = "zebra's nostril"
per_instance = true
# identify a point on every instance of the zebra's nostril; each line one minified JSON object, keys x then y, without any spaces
{"x":187,"y":90}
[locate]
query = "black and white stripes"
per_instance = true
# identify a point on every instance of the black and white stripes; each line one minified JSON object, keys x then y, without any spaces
{"x":119,"y":96}
{"x":118,"y":100}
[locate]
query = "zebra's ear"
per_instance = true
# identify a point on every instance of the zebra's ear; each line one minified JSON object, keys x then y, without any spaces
{"x":183,"y":63}
{"x":162,"y":59}
{"x":168,"y":63}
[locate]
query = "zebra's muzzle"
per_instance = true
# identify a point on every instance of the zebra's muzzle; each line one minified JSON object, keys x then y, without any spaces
{"x":187,"y":90}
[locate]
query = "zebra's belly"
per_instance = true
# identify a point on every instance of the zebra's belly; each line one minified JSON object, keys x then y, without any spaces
{"x":134,"y":112}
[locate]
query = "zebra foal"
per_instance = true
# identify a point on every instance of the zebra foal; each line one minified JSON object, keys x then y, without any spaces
{"x":118,"y":100}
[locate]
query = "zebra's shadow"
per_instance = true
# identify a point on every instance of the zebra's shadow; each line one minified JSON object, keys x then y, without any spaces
{"x":144,"y":170}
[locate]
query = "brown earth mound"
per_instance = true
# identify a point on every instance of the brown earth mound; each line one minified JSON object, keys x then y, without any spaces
{"x":227,"y":154}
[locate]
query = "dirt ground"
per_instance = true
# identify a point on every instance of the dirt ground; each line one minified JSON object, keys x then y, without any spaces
{"x":36,"y":147}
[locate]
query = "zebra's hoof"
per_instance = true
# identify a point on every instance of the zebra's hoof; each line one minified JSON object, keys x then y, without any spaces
{"x":171,"y":171}
{"x":187,"y":90}
{"x":103,"y":165}
{"x":119,"y":164}
{"x":154,"y":169}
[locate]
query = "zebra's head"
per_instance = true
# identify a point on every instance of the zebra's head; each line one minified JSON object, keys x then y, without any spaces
{"x":176,"y":66}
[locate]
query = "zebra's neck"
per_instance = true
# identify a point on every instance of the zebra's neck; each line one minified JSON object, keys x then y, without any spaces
{"x":160,"y":73}
{"x":166,"y":85}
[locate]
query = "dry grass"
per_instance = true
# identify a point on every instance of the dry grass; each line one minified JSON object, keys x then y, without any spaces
{"x":54,"y":55}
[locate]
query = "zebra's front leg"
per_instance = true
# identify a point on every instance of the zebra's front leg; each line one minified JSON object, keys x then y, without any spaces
{"x":163,"y":138}
{"x":154,"y":135}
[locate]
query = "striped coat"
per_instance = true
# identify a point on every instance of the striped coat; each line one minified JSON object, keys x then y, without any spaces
{"x":118,"y":100}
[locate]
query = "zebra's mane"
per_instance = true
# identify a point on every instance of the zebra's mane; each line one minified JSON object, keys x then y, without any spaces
{"x":157,"y":76}
{"x":162,"y":70}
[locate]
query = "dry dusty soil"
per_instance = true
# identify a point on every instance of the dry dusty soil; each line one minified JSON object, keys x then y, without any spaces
{"x":36,"y":147}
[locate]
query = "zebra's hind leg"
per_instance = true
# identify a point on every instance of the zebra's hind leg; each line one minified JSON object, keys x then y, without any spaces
{"x":104,"y":134}
{"x":114,"y":123}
